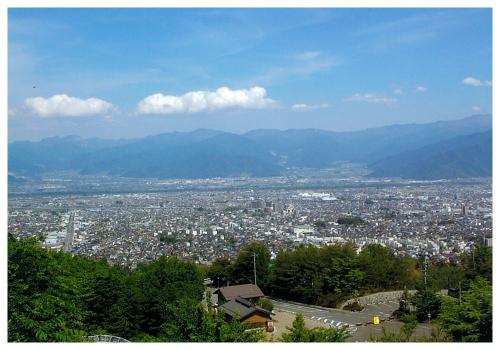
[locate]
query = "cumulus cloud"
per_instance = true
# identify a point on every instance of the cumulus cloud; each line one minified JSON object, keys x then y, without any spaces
{"x":398,"y":91}
{"x":476,"y":108}
{"x":306,"y":107}
{"x":471,"y":81}
{"x":420,"y":88}
{"x":64,"y":105}
{"x":200,"y":101}
{"x":371,"y":98}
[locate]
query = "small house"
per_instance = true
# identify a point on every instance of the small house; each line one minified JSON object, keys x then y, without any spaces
{"x":246,"y":312}
{"x":250,"y":292}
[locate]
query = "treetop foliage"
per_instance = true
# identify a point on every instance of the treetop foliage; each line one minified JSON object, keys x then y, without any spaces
{"x":54,"y":296}
{"x":300,"y":333}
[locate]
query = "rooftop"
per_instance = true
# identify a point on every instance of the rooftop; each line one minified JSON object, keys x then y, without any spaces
{"x":241,"y":290}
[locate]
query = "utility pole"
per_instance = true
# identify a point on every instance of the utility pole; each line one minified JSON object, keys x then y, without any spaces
{"x":473,"y":259}
{"x":460,"y":292}
{"x":425,"y":270}
{"x":254,"y":271}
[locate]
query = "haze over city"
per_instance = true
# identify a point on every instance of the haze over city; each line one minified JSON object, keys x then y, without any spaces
{"x":250,"y":175}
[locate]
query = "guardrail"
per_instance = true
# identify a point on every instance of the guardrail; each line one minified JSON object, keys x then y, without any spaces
{"x":104,"y":338}
{"x":378,"y":298}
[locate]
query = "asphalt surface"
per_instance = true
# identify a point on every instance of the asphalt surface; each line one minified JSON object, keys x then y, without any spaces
{"x":70,"y":232}
{"x":339,"y":318}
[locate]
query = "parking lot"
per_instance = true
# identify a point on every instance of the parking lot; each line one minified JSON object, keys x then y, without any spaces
{"x":339,"y":318}
{"x":359,"y":323}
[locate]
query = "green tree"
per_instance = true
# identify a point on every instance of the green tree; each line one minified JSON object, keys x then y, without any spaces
{"x":383,"y":270}
{"x":237,"y":332}
{"x":242,"y":270}
{"x":479,"y":262}
{"x":342,"y":276}
{"x":404,"y":304}
{"x":298,"y":275}
{"x":314,"y":275}
{"x":299,"y":333}
{"x":220,"y":271}
{"x":188,"y":321}
{"x":427,"y":303}
{"x":444,"y":275}
{"x":350,"y":221}
{"x":45,"y":301}
{"x":106,"y":286}
{"x":59,"y":297}
{"x":320,"y":224}
{"x":265,"y":304}
{"x":469,"y":319}
{"x":168,"y":238}
{"x":160,"y":283}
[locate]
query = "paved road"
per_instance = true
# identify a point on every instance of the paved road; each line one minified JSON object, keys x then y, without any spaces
{"x":70,"y":232}
{"x":338,"y":318}
{"x":383,"y":310}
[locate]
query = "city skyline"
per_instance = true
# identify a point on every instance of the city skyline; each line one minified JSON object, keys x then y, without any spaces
{"x":249,"y":174}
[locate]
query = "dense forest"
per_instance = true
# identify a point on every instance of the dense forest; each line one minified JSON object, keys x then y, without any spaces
{"x":56,"y":296}
{"x":330,"y":275}
{"x":323,"y":276}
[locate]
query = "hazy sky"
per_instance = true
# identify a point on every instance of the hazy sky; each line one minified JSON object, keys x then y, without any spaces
{"x":135,"y":72}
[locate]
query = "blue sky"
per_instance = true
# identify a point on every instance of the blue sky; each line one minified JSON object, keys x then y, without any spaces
{"x":135,"y":72}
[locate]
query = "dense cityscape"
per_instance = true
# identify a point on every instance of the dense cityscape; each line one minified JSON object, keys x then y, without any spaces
{"x":181,"y":218}
{"x":249,"y":174}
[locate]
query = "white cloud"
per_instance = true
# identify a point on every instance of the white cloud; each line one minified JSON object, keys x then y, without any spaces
{"x":200,"y":101}
{"x":476,"y":108}
{"x":300,"y":66}
{"x":300,"y":106}
{"x":371,"y":98}
{"x":420,"y":88}
{"x":308,"y":55}
{"x":64,"y":105}
{"x":476,"y":82}
{"x":306,"y":107}
{"x":398,"y":91}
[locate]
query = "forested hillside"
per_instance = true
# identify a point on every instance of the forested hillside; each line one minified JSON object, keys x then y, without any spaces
{"x":396,"y":151}
{"x":56,"y":296}
{"x":60,"y":297}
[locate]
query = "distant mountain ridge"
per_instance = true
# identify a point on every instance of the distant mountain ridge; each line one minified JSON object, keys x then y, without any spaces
{"x":460,"y":157}
{"x":205,"y":153}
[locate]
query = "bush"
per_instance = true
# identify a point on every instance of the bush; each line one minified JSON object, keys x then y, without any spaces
{"x":265,"y":304}
{"x":353,"y":306}
{"x":427,"y":303}
{"x":299,"y":333}
{"x":350,"y":221}
{"x":471,"y":318}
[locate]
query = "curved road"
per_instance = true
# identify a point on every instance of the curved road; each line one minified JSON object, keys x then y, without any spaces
{"x":338,"y":318}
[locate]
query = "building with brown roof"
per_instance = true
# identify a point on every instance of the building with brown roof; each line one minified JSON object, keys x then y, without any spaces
{"x":245,"y":311}
{"x":250,"y":292}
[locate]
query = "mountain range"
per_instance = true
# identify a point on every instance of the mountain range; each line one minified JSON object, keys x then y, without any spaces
{"x":439,"y":150}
